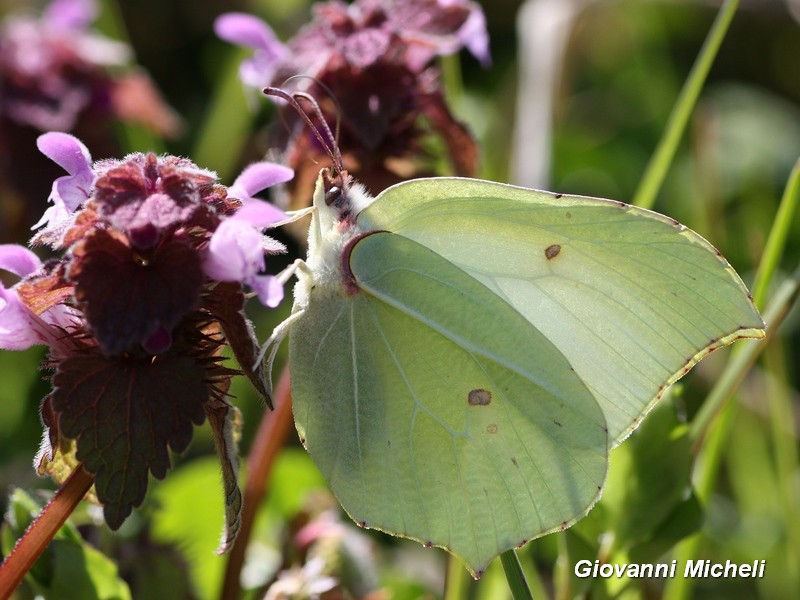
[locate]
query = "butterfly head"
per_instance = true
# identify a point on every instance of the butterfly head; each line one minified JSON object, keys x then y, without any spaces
{"x":339,"y":198}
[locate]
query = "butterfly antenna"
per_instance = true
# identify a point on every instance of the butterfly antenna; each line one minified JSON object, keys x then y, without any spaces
{"x":330,"y":145}
{"x":331,"y":95}
{"x":333,"y":136}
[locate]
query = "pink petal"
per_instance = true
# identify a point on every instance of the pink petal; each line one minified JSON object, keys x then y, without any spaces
{"x":234,"y":252}
{"x":247,"y":30}
{"x":18,"y":260}
{"x":16,"y":332}
{"x":71,"y":14}
{"x":65,"y":150}
{"x":268,"y":288}
{"x":259,"y":176}
{"x":475,"y":37}
{"x":259,"y":214}
{"x":74,"y":189}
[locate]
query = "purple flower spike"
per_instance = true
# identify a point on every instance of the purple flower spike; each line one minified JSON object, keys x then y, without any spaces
{"x":249,"y":31}
{"x":71,"y":191}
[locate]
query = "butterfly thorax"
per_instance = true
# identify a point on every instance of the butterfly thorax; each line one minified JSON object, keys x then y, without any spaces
{"x":337,"y":202}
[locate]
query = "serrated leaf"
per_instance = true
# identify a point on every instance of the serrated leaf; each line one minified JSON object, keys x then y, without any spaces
{"x":226,"y":424}
{"x":126,"y":415}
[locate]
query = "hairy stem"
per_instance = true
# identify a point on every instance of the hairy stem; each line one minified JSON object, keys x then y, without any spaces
{"x":38,"y":535}
{"x":272,"y":434}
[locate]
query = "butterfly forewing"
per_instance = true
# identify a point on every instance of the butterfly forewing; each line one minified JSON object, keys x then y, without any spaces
{"x":631,"y":298}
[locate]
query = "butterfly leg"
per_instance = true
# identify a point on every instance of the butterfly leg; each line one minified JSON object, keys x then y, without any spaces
{"x":292,"y":216}
{"x":273,"y":342}
{"x":285,"y":275}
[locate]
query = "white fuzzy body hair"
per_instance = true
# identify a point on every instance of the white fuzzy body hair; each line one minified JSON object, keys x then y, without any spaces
{"x":331,"y":228}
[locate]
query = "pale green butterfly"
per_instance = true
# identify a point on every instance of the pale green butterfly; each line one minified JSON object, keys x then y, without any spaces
{"x":464,"y":353}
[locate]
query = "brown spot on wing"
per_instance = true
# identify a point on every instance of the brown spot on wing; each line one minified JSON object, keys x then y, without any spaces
{"x":479,"y":397}
{"x":552,"y":251}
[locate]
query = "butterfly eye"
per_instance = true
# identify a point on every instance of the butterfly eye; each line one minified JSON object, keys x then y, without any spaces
{"x":333,"y":195}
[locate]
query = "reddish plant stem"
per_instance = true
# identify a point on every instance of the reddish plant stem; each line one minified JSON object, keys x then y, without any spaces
{"x":271,"y":436}
{"x":38,"y":535}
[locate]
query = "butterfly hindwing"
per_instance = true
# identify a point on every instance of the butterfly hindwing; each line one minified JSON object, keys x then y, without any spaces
{"x":437,"y":412}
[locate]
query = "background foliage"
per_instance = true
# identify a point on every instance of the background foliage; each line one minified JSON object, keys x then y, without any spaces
{"x":612,"y":88}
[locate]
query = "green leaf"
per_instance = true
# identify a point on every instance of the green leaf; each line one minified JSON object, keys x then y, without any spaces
{"x":80,"y":571}
{"x":191,"y":510}
{"x":649,"y":477}
{"x":190,"y":514}
{"x":685,"y":519}
{"x":69,"y":567}
{"x":578,"y":548}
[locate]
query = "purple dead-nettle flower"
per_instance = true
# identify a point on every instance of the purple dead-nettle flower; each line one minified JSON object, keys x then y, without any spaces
{"x":251,"y":32}
{"x":20,"y":325}
{"x":237,"y":247}
{"x":136,"y":311}
{"x":361,"y":34}
{"x":50,"y":67}
{"x":70,"y":191}
{"x":71,"y":14}
{"x":371,"y":67}
{"x":54,"y":71}
{"x":57,"y":73}
{"x":17,"y":327}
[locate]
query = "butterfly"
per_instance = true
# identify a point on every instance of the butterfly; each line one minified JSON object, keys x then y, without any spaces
{"x":464,"y":353}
